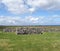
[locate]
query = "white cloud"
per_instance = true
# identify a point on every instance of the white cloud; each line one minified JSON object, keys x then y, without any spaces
{"x":37,"y":3}
{"x":32,"y":19}
{"x":7,"y":20}
{"x":44,"y":4}
{"x":15,"y":6}
{"x":32,"y":10}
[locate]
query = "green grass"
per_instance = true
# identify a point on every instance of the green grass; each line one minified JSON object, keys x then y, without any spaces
{"x":37,"y":42}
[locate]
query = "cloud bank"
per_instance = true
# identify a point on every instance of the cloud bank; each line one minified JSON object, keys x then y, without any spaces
{"x":30,"y":20}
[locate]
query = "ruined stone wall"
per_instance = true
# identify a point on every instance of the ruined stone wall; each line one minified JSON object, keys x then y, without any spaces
{"x":31,"y":30}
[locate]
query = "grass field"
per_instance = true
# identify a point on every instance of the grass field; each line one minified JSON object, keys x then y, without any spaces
{"x":34,"y":42}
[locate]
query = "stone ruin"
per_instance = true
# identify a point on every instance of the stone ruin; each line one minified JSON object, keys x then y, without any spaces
{"x":29,"y":31}
{"x":24,"y":30}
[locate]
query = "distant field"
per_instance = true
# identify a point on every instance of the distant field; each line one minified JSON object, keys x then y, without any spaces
{"x":1,"y":27}
{"x":35,"y":42}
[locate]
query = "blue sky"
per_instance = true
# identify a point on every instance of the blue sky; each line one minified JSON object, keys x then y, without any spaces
{"x":29,"y":12}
